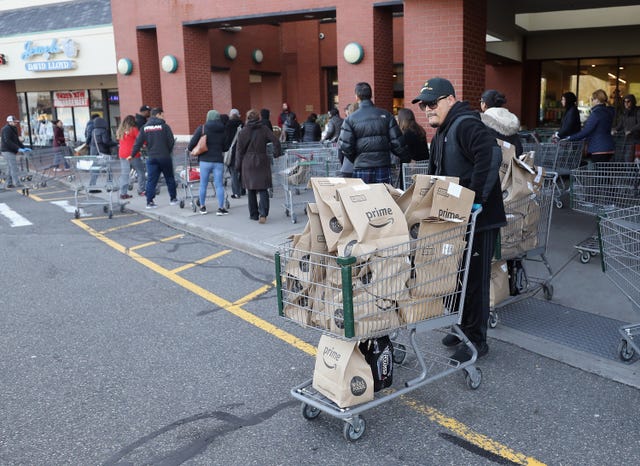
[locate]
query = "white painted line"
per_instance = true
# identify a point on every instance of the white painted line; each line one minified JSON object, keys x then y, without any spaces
{"x":14,"y":217}
{"x":68,"y":207}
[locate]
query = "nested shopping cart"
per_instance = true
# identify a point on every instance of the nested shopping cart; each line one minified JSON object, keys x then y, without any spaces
{"x":559,"y":157}
{"x":92,"y":175}
{"x":619,"y":234}
{"x":49,"y":163}
{"x":298,"y":164}
{"x":415,"y":168}
{"x":402,"y":291}
{"x":524,"y":239}
{"x":600,"y":188}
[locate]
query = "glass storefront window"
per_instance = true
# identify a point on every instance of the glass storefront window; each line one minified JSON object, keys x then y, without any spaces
{"x":40,"y":107}
{"x":629,"y":76}
{"x":597,"y":73}
{"x":557,"y":77}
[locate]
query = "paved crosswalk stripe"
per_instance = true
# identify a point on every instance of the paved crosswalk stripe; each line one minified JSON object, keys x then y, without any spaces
{"x":14,"y":217}
{"x":68,"y":207}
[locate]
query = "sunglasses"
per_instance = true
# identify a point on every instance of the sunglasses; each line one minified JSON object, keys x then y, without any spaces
{"x":433,"y":104}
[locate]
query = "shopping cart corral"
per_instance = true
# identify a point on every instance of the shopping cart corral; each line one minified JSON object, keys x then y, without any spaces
{"x":560,"y":157}
{"x":95,"y":174}
{"x":299,"y":163}
{"x":525,"y":239}
{"x":619,"y":234}
{"x":600,"y":188}
{"x":389,"y":292}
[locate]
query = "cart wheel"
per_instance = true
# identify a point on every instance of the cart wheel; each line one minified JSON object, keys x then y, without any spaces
{"x":626,"y":351}
{"x":309,"y":412}
{"x":493,"y":319}
{"x":286,"y":212}
{"x":399,"y":353}
{"x":296,"y":191}
{"x":294,"y":218}
{"x":122,"y":208}
{"x":105,"y":209}
{"x":559,"y":204}
{"x":182,"y":204}
{"x":585,"y":257}
{"x":43,"y":184}
{"x":352,"y":432}
{"x":25,"y":192}
{"x":110,"y":214}
{"x":76,"y":214}
{"x":547,"y":289}
{"x":130,"y":187}
{"x":473,"y":381}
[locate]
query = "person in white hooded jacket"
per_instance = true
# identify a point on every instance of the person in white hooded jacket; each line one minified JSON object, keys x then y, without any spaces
{"x":502,"y":123}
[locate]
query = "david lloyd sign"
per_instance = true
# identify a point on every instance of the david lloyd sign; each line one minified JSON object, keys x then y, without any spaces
{"x":48,"y":52}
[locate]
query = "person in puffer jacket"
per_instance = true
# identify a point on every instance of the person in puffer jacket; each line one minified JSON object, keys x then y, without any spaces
{"x":311,"y":131}
{"x":101,"y":142}
{"x":597,"y":129}
{"x":368,"y":137}
{"x":501,"y":122}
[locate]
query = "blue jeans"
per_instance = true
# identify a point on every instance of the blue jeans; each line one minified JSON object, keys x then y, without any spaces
{"x":138,"y":165}
{"x":155,"y":166}
{"x":12,"y":164}
{"x":217,"y":168}
{"x":124,"y":176}
{"x":236,"y":186}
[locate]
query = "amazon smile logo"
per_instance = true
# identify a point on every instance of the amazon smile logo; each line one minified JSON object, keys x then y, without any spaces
{"x":332,"y":356}
{"x":389,"y":221}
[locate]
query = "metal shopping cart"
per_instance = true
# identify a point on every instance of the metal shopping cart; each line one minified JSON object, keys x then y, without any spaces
{"x":49,"y":163}
{"x":25,"y":176}
{"x":387,"y":292}
{"x":600,"y":188}
{"x":299,"y":163}
{"x":560,"y":157}
{"x":619,"y":235}
{"x":410,"y":169}
{"x":525,"y":238}
{"x":92,"y":175}
{"x":188,"y":180}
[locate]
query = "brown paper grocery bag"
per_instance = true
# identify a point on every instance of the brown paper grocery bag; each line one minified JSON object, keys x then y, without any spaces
{"x":335,"y":224}
{"x":297,"y":305}
{"x":411,"y":311}
{"x":451,"y":202}
{"x":318,"y":242}
{"x":438,"y":258}
{"x":499,"y":289}
{"x":508,"y":154}
{"x":522,"y":181}
{"x":418,"y":200}
{"x":378,"y":222}
{"x":341,"y":372}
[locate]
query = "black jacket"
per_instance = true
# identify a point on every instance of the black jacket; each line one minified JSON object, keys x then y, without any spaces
{"x":570,"y":123}
{"x":472,"y":165}
{"x":101,"y":141}
{"x":141,"y":120}
{"x":368,"y":137}
{"x":158,"y":136}
{"x":216,"y":143}
{"x":417,"y":147}
{"x":10,"y":140}
{"x":310,"y":131}
{"x":332,"y":130}
{"x":230,"y":131}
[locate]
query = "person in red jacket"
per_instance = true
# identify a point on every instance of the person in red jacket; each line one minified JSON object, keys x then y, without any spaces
{"x":60,"y":144}
{"x":126,"y":135}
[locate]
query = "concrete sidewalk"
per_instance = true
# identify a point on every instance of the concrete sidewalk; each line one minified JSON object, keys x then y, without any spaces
{"x":578,"y":326}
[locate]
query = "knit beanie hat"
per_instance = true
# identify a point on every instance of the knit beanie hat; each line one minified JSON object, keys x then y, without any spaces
{"x":213,"y":115}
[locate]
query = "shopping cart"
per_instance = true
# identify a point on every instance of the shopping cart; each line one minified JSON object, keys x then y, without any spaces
{"x":410,"y":169}
{"x":187,"y":172}
{"x":525,"y":239}
{"x":299,"y":163}
{"x":361,"y":297}
{"x":560,"y":157}
{"x":624,"y":149}
{"x":49,"y":163}
{"x":619,"y":235}
{"x":600,"y":188}
{"x":92,"y":175}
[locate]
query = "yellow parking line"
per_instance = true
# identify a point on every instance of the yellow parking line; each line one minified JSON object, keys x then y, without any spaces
{"x":254,"y":294}
{"x":200,"y":261}
{"x":128,"y":225}
{"x":151,"y":243}
{"x":432,"y":414}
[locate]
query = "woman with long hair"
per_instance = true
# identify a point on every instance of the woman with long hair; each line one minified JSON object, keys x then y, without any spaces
{"x":415,"y":138}
{"x":126,"y":134}
{"x":597,"y":129}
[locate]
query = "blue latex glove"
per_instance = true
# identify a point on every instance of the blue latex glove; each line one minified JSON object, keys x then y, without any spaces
{"x":475,"y":207}
{"x":26,"y":149}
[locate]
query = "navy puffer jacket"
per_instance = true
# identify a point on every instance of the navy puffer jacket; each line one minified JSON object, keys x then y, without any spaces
{"x":216,"y":141}
{"x":597,"y":130}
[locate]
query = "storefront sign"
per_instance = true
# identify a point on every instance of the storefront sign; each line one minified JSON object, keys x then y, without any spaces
{"x":3,"y":59}
{"x":70,"y":99}
{"x":48,"y":52}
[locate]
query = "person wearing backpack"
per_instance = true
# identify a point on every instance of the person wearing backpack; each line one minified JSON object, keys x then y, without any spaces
{"x":464,"y":147}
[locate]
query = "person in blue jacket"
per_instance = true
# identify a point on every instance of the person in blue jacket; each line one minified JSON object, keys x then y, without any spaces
{"x":597,"y":129}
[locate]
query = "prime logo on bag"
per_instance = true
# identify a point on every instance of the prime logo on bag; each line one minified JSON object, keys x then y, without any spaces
{"x":332,"y":356}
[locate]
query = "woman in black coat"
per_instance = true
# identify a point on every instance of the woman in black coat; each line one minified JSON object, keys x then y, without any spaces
{"x":570,"y":123}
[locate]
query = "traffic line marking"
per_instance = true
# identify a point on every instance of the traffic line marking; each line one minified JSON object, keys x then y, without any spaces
{"x":200,"y":261}
{"x":254,"y":294}
{"x":151,"y":243}
{"x":14,"y":217}
{"x":128,"y":225}
{"x":432,"y":414}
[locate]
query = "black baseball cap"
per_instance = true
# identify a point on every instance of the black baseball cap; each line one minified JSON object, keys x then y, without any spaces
{"x":433,"y":89}
{"x":145,"y":108}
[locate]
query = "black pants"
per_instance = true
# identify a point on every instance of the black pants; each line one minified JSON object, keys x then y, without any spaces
{"x":476,"y":304}
{"x":258,"y":208}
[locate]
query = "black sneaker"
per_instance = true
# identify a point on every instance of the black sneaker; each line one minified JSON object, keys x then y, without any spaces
{"x":463,"y":354}
{"x":451,"y":340}
{"x":203,"y":210}
{"x":151,"y":205}
{"x":222,"y":211}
